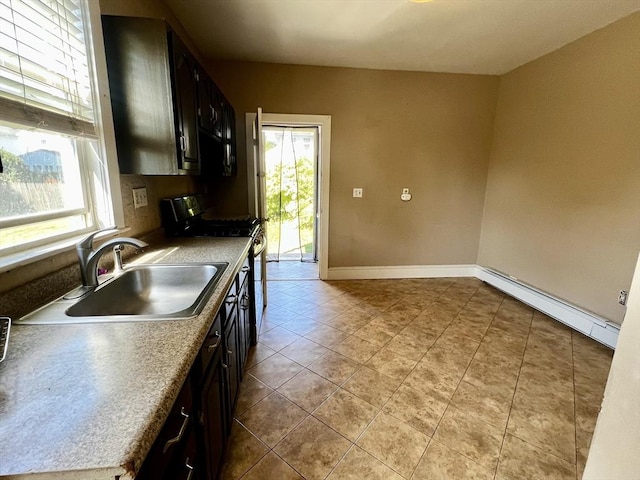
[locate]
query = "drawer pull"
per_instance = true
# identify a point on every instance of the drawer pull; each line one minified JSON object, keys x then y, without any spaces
{"x":244,"y":303}
{"x":225,"y":366}
{"x":245,"y":269}
{"x":178,"y":437}
{"x":190,"y":468}
{"x":213,"y":346}
{"x":231,"y":299}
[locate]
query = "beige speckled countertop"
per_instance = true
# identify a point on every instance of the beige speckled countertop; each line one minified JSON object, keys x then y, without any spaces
{"x":86,"y":401}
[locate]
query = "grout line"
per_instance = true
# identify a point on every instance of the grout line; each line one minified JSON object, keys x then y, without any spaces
{"x":575,"y":422}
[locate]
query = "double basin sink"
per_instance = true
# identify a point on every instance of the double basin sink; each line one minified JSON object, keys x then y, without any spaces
{"x":143,"y":292}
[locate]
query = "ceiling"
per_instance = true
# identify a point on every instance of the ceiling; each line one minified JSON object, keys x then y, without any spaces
{"x":457,"y":36}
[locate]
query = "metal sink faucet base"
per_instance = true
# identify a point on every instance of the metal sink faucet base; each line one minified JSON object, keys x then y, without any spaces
{"x":88,"y":257}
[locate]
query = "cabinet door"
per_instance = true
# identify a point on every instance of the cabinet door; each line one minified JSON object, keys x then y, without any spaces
{"x":166,"y":453}
{"x":212,"y":418}
{"x":229,"y":165}
{"x":218,"y":107}
{"x":244,"y":327}
{"x":186,"y":465}
{"x":230,"y":365}
{"x":209,"y":109}
{"x":185,"y":85}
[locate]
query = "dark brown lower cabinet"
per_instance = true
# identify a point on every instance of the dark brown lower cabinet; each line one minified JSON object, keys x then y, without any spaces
{"x":212,"y":422}
{"x":231,"y":368}
{"x":174,"y":456}
{"x":192,"y":442}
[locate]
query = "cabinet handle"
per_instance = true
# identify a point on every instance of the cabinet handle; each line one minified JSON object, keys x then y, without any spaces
{"x":232,"y":299}
{"x":190,"y":468}
{"x":178,"y":437}
{"x":244,"y":305}
{"x":225,"y":366}
{"x":245,"y":269}
{"x":214,"y":345}
{"x":214,"y":114}
{"x":183,"y":144}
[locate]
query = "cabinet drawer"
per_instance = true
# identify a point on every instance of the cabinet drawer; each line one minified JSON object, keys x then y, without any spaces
{"x":210,"y":345}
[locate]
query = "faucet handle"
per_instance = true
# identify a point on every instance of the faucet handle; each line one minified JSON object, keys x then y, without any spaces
{"x":87,"y":242}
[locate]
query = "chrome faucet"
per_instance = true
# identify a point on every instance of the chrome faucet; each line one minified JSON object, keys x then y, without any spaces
{"x":88,"y":257}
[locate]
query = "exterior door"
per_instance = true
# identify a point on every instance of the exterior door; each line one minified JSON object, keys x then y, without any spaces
{"x":258,"y":199}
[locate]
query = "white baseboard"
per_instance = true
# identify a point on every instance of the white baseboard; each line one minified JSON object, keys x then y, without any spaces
{"x":401,"y":271}
{"x":581,"y":320}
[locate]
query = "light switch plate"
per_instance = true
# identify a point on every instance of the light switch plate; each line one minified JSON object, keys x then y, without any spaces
{"x":140,"y":197}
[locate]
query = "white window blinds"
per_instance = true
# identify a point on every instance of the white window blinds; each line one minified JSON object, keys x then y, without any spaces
{"x":44,"y":75}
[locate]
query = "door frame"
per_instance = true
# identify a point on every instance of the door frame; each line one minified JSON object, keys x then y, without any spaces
{"x":323,"y":123}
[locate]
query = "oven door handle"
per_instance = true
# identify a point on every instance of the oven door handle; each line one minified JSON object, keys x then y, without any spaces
{"x":259,"y":248}
{"x":259,"y":243}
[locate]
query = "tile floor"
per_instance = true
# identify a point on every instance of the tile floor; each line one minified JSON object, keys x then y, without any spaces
{"x":292,"y":270}
{"x":413,"y":379}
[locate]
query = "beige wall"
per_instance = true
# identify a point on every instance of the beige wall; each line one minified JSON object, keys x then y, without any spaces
{"x":562,"y":208}
{"x":429,"y":132}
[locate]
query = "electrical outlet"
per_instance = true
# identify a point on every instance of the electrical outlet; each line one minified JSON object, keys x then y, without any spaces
{"x":357,"y":193}
{"x":622,"y":297}
{"x":140,"y":197}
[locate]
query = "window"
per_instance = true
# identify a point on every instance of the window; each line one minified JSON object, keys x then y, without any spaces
{"x":54,"y":184}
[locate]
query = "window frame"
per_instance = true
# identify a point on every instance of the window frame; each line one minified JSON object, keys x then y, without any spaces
{"x":102,"y":165}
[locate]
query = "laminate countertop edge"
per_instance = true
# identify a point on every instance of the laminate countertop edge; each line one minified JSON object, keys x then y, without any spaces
{"x":86,"y":401}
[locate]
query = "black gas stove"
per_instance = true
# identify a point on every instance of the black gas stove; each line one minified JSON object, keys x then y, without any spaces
{"x":183,"y":217}
{"x":223,"y":228}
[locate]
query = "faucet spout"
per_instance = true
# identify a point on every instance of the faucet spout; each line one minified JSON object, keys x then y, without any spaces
{"x":88,"y":257}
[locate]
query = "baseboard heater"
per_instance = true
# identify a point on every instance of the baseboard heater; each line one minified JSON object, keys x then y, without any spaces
{"x":581,"y":320}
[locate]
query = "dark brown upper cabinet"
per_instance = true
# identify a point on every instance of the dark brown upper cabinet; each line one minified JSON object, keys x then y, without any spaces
{"x":170,"y":118}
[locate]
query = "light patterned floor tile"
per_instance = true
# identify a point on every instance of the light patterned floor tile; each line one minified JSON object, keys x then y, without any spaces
{"x":243,"y":452}
{"x":372,"y":386}
{"x":359,"y":465}
{"x":275,"y":370}
{"x":519,"y":460}
{"x":346,"y":414}
{"x":307,"y":390}
{"x":394,"y":443}
{"x":471,"y":437}
{"x":272,"y":418}
{"x":313,"y":449}
{"x":442,"y":463}
{"x":334,"y":367}
{"x":271,"y":467}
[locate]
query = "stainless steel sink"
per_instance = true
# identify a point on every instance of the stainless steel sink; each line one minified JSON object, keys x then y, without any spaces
{"x":141,"y":292}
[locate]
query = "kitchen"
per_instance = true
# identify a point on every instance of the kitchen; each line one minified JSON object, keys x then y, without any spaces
{"x":466,"y":138}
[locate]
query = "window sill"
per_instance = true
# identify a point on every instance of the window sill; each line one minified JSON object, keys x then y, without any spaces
{"x":27,"y":257}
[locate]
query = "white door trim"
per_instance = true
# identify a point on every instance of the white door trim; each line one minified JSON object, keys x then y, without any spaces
{"x":323,"y":122}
